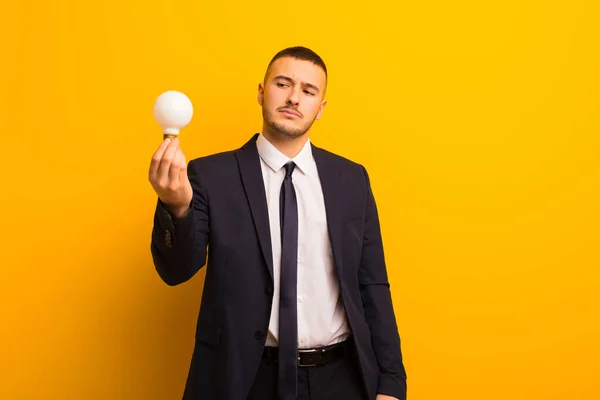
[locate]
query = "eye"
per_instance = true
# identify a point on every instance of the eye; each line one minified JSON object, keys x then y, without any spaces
{"x":279,"y":84}
{"x":308,"y":92}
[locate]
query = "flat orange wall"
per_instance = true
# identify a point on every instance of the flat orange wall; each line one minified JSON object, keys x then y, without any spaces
{"x":479,"y":124}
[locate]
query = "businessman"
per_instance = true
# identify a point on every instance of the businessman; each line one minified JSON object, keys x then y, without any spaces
{"x":296,"y":301}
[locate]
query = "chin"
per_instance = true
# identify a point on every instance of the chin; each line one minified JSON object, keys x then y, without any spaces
{"x":288,"y":130}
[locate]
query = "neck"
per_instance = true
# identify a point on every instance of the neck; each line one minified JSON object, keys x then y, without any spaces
{"x":286,"y":145}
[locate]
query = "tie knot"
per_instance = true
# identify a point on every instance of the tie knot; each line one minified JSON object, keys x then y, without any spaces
{"x":289,"y":168}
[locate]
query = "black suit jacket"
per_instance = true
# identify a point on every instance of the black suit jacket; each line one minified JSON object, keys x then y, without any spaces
{"x":227,"y":229}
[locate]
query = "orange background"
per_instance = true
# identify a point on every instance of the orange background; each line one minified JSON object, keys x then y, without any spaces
{"x":478,"y":122}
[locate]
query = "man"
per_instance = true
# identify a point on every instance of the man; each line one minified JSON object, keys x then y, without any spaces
{"x":296,"y":301}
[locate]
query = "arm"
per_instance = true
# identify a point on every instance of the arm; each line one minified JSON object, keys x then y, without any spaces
{"x":377,"y":303}
{"x":178,"y":245}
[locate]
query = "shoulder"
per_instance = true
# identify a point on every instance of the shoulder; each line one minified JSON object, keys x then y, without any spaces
{"x":214,"y":169}
{"x":225,"y":159}
{"x":214,"y":160}
{"x":329,"y":159}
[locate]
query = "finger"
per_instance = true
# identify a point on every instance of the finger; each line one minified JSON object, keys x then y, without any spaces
{"x":183,"y":176}
{"x":167,"y":159}
{"x":175,"y":168}
{"x":156,"y":157}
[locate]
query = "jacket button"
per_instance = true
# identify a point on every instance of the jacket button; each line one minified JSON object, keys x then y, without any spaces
{"x":259,"y":335}
{"x":269,"y":291}
{"x":168,"y":242}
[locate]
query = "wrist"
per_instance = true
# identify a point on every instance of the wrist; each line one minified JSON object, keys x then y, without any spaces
{"x":175,"y":211}
{"x":178,"y":212}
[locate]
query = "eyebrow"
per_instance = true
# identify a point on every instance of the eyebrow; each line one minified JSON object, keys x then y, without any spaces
{"x":287,"y":78}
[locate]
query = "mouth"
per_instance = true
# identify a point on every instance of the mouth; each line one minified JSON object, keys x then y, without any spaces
{"x":289,"y":112}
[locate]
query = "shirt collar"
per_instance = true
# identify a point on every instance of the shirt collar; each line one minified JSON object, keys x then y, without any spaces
{"x":276,"y":159}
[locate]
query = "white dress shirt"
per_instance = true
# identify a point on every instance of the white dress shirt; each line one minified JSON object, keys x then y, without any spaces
{"x":321,"y":316}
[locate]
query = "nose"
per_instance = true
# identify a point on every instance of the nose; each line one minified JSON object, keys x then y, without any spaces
{"x":293,"y":97}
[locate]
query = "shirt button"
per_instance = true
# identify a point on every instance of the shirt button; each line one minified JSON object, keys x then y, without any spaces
{"x":302,"y":340}
{"x":300,"y":299}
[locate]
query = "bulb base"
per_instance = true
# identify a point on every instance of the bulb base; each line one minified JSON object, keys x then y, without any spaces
{"x":169,"y":136}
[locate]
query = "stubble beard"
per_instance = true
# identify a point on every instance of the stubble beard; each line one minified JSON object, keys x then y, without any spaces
{"x":282,"y":130}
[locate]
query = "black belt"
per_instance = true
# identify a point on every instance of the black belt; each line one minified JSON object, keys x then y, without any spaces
{"x":312,"y":357}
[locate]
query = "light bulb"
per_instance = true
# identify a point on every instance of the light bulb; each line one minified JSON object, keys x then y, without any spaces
{"x":173,"y":111}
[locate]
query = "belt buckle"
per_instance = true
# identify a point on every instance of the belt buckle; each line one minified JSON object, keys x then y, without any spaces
{"x":307,"y":351}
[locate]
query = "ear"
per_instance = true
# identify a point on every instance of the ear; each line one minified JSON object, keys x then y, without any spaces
{"x":261,"y":93}
{"x":321,"y":108}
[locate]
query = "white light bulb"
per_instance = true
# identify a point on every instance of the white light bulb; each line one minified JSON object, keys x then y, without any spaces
{"x":173,"y":111}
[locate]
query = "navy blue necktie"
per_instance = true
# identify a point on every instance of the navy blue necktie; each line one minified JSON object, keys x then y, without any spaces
{"x":288,"y":320}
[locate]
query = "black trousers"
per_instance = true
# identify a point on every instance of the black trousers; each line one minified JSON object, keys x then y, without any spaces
{"x":338,"y":379}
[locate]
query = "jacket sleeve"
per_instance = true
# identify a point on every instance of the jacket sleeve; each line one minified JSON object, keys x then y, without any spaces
{"x":178,"y":246}
{"x":377,"y":303}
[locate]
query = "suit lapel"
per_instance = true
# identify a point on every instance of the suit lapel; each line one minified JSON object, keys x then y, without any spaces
{"x":250,"y":170}
{"x":331,"y":184}
{"x":251,"y":173}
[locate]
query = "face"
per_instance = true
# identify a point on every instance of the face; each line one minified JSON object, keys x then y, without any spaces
{"x":292,"y":96}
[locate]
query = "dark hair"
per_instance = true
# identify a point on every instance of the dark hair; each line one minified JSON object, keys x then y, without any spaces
{"x":300,"y":53}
